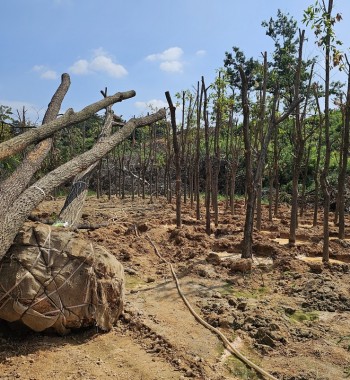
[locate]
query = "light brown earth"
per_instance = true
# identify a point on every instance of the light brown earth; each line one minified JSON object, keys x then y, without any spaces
{"x":289,"y":314}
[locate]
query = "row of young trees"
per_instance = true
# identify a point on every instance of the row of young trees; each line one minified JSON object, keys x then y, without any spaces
{"x":278,"y":103}
{"x":260,"y":125}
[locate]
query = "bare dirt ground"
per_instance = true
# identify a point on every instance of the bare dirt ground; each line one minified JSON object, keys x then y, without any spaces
{"x":289,"y":314}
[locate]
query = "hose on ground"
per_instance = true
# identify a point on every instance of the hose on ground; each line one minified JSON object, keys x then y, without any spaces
{"x":226,"y":342}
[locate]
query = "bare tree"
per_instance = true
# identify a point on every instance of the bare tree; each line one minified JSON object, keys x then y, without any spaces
{"x":208,"y":172}
{"x":177,"y":158}
{"x":344,"y":162}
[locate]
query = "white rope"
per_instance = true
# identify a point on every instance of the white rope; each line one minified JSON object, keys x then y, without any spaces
{"x":18,"y":281}
{"x":40,"y":189}
{"x":65,"y":281}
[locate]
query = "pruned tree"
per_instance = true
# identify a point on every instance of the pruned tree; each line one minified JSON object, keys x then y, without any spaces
{"x":199,"y":101}
{"x":208,"y":168}
{"x":243,"y":75}
{"x":344,"y":160}
{"x":177,"y":158}
{"x":300,"y":136}
{"x":320,"y":16}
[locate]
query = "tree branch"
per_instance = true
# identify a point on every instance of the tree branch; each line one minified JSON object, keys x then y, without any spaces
{"x":12,"y":187}
{"x":289,"y":111}
{"x":12,"y":219}
{"x":20,"y":142}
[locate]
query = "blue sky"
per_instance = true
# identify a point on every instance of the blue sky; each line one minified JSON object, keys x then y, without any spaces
{"x":150,"y":46}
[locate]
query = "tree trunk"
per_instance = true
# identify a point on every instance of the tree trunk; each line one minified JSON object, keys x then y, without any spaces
{"x":270,"y":193}
{"x":208,"y":182}
{"x":303,"y":182}
{"x":177,"y":158}
{"x":324,"y":174}
{"x":71,"y":211}
{"x":13,"y":218}
{"x":276,"y":172}
{"x":197,"y":159}
{"x":261,"y":132}
{"x":318,"y":160}
{"x":216,"y":163}
{"x":247,"y":245}
{"x":299,"y":144}
{"x":344,"y":165}
{"x":20,"y":142}
{"x":13,"y":186}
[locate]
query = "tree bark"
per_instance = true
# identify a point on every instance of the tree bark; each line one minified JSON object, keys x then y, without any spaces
{"x":247,"y":245}
{"x":208,"y":173}
{"x":303,"y":182}
{"x":344,"y":164}
{"x":197,"y":159}
{"x":276,"y":154}
{"x":177,"y":160}
{"x":20,"y":142}
{"x":318,"y":159}
{"x":299,"y":144}
{"x":324,"y":174}
{"x":261,"y":128}
{"x":13,"y":186}
{"x":12,"y":219}
{"x":216,"y":160}
{"x":71,"y":211}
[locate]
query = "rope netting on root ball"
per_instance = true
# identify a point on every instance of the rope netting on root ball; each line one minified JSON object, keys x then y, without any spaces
{"x":51,"y":279}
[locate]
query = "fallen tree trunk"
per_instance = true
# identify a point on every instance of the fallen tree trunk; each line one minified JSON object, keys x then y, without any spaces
{"x":73,"y":205}
{"x":13,"y":186}
{"x":20,"y":142}
{"x":11,"y":220}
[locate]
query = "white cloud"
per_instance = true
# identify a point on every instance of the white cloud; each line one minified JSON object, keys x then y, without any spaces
{"x":105,"y":64}
{"x":170,"y":59}
{"x":171,"y":66}
{"x":201,"y":52}
{"x":171,"y":54}
{"x":100,"y":63}
{"x":80,"y":67}
{"x":38,"y":68}
{"x":49,"y":74}
{"x":100,"y":51}
{"x":153,"y":104}
{"x":44,"y":72}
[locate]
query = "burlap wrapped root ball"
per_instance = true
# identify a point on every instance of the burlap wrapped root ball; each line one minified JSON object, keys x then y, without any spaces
{"x":51,"y":279}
